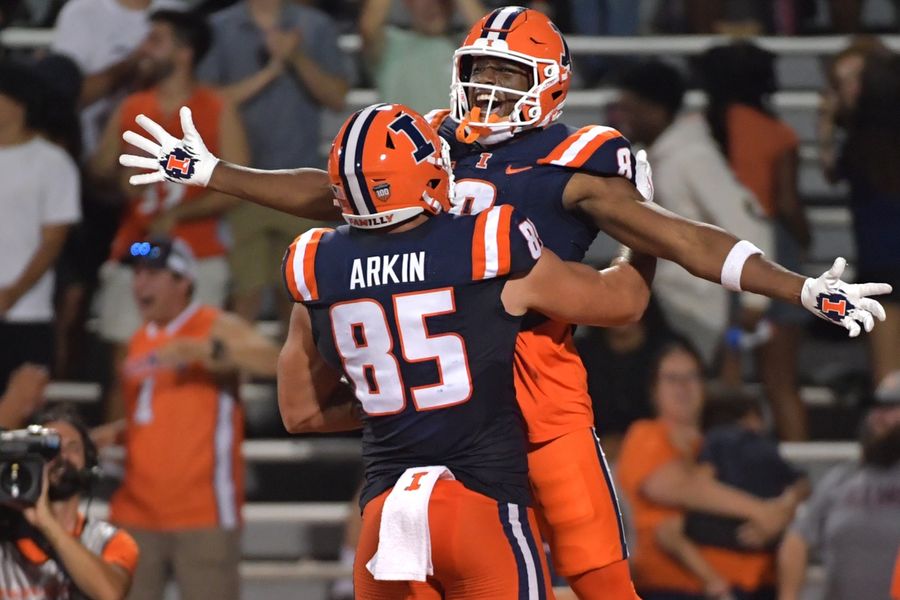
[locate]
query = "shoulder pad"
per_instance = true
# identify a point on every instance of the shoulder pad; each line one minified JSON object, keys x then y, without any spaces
{"x":595,"y":149}
{"x":298,"y":268}
{"x":437,"y":117}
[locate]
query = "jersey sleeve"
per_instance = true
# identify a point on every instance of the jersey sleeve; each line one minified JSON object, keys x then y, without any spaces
{"x":594,"y":149}
{"x":298,"y":268}
{"x":121,"y":550}
{"x":503,"y":243}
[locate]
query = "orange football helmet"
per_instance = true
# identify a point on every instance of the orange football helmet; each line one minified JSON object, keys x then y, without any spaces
{"x":524,"y":36}
{"x":388,"y":165}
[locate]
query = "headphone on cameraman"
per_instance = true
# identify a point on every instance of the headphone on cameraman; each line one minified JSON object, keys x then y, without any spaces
{"x":91,"y":473}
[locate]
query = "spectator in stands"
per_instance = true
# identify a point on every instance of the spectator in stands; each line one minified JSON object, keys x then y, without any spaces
{"x":853,"y":518}
{"x":659,"y":473}
{"x":23,"y":396}
{"x":75,"y":270}
{"x":618,"y":362}
{"x":413,"y":66}
{"x":39,"y":201}
{"x":61,"y":553}
{"x":603,"y":18}
{"x":762,"y":152}
{"x":103,"y":38}
{"x":176,"y":43}
{"x":182,"y":491}
{"x":736,"y":447}
{"x":692,"y":179}
{"x":862,"y":99}
{"x":279,"y":62}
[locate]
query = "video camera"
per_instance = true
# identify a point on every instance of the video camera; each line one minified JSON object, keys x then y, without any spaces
{"x":23,"y":454}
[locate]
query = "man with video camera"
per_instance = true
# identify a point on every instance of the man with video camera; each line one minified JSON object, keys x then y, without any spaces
{"x":48,"y":548}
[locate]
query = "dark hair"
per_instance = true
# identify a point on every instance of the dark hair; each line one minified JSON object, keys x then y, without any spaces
{"x":728,"y":406}
{"x":59,"y":119}
{"x":67,"y":413}
{"x":739,"y":73}
{"x":190,"y":28}
{"x":875,"y":126}
{"x":655,"y":81}
{"x":20,"y":82}
{"x":677,"y":344}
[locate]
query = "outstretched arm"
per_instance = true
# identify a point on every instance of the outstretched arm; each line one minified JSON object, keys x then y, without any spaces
{"x":301,"y":192}
{"x":311,"y":397}
{"x":614,"y":205}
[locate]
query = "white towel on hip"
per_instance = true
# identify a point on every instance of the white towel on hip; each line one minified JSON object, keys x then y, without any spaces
{"x":404,"y":539}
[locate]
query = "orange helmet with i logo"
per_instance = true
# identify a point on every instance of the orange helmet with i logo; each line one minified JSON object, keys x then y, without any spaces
{"x":387,"y":165}
{"x":526,"y":37}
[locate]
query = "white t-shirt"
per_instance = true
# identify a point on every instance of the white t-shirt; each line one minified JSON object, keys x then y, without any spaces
{"x":96,"y":34}
{"x":692,"y":179}
{"x":40,"y":187}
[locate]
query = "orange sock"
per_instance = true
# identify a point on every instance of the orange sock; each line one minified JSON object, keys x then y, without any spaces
{"x":612,"y":582}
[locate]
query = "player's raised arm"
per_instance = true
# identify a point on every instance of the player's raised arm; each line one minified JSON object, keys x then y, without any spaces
{"x":311,"y":397}
{"x":301,"y":192}
{"x":707,"y":251}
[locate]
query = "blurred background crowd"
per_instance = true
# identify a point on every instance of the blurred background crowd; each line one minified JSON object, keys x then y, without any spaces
{"x":791,"y":140}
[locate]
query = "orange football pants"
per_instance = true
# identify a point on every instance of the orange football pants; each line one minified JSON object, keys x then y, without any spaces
{"x":576,"y":503}
{"x":480,"y":548}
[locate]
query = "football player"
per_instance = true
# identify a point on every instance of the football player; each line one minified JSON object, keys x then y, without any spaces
{"x":511,"y":77}
{"x":420,"y":311}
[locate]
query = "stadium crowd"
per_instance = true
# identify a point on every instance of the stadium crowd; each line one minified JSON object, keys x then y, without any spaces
{"x":153,"y":291}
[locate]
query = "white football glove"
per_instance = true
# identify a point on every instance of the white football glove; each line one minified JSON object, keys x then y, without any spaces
{"x":184,"y":161}
{"x":845,"y":304}
{"x":643,"y":175}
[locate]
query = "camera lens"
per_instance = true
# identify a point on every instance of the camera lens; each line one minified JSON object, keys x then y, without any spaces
{"x":15,"y":479}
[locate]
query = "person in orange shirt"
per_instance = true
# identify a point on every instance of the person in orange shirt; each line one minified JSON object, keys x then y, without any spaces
{"x":63,"y":552}
{"x":176,"y":43}
{"x":895,"y":584}
{"x":182,"y":491}
{"x":660,"y":477}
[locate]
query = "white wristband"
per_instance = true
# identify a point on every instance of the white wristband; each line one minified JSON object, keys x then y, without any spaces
{"x":734,"y":264}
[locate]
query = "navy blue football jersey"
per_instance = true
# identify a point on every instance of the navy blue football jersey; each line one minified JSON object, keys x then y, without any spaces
{"x":530,"y":172}
{"x":415,"y":322}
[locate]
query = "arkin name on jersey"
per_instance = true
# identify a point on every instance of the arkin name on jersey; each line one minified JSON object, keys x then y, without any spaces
{"x":379,"y":270}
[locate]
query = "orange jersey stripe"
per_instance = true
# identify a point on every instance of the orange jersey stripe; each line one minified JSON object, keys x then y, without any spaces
{"x":309,"y":263}
{"x":558,"y":151}
{"x":576,"y":149}
{"x":503,"y":249}
{"x":592,"y":147}
{"x":479,"y":264}
{"x":289,"y":279}
{"x":300,"y":265}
